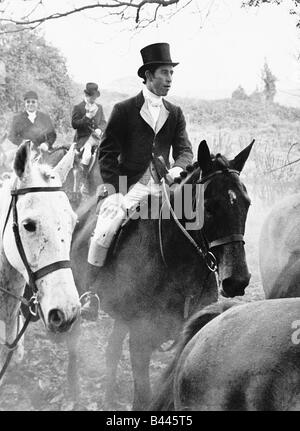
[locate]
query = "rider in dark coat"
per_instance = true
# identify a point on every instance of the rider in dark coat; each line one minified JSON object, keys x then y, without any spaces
{"x":84,"y":122}
{"x":139,"y":130}
{"x":89,"y":122}
{"x":32,"y":124}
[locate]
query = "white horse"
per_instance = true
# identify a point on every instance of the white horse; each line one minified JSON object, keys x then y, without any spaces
{"x":36,"y":226}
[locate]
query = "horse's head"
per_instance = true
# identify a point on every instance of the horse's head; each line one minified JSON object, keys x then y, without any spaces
{"x":40,"y":218}
{"x":226,"y":204}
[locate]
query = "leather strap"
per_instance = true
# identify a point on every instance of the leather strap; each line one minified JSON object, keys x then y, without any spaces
{"x":51,"y":268}
{"x":236,"y":237}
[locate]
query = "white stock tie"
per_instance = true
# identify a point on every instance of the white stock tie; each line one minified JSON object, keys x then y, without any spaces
{"x":155,"y":103}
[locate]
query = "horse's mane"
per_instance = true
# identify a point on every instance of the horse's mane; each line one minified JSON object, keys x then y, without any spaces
{"x":45,"y":171}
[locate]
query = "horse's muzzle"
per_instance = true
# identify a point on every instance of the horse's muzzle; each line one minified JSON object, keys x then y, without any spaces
{"x":235,"y":285}
{"x":57,"y":321}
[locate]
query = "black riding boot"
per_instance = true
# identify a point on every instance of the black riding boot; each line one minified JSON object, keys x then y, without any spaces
{"x":90,"y":309}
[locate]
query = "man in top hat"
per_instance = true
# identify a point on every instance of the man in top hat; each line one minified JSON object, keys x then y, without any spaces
{"x":31,"y":124}
{"x":139,"y":129}
{"x":89,"y":121}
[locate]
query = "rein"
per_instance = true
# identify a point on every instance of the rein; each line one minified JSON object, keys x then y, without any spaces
{"x":33,"y":304}
{"x":208,"y":257}
{"x":205,"y":253}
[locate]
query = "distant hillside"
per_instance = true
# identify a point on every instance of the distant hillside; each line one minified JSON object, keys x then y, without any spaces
{"x":130,"y":85}
{"x":228,"y":113}
{"x":227,"y":124}
{"x":236,"y":113}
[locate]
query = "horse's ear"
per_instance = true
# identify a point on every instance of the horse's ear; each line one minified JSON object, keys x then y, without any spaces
{"x":239,"y":161}
{"x":203,"y":157}
{"x":64,"y":166}
{"x":22,"y":162}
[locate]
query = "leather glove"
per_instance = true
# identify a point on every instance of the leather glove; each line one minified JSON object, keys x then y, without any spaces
{"x":175,"y":172}
{"x":44,"y":147}
{"x":112,"y":205}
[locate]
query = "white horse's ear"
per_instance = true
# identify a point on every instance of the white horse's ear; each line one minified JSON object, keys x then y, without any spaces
{"x":65,"y":164}
{"x":22,"y":162}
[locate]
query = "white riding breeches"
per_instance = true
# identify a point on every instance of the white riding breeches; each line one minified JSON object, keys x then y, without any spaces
{"x":111,"y":216}
{"x":87,"y":151}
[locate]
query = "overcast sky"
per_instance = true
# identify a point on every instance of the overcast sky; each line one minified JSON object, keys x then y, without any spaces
{"x":216,"y":53}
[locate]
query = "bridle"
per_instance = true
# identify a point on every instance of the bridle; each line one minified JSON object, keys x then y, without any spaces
{"x":235,"y":237}
{"x":42,"y":272}
{"x":202,"y":249}
{"x":33,"y":303}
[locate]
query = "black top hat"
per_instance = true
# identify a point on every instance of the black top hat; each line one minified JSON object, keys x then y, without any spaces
{"x":157,"y":53}
{"x":91,"y":89}
{"x":30,"y":95}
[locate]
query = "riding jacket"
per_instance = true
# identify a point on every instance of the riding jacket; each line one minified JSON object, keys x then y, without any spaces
{"x":41,"y":130}
{"x":130,"y":142}
{"x":85,"y":126}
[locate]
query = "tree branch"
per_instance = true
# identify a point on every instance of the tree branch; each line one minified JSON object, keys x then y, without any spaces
{"x":113,"y":4}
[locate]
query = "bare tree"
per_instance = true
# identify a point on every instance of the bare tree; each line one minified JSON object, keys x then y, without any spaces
{"x":269,"y":83}
{"x":29,"y":14}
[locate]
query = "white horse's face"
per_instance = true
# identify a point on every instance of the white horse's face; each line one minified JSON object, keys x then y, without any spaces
{"x":46,"y":222}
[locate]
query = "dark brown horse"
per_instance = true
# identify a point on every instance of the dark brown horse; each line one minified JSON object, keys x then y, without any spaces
{"x":246,"y":357}
{"x":154,"y":281}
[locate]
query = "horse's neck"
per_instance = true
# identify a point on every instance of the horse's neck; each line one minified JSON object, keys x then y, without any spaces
{"x":10,"y":278}
{"x":12,"y":281}
{"x":173,"y":227}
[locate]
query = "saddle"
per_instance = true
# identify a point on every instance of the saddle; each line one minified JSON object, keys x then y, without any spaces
{"x":147,"y":208}
{"x":142,"y":210}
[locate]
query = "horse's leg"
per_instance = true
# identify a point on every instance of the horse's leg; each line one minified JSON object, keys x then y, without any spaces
{"x":72,"y":372}
{"x":140,"y":347}
{"x":113,"y":355}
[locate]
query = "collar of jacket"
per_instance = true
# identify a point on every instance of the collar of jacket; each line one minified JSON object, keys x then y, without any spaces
{"x":145,"y":114}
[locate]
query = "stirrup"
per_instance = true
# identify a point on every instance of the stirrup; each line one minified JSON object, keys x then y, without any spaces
{"x":90,"y":309}
{"x":89,"y":294}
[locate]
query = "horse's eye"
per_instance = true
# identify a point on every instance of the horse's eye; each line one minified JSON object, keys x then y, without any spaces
{"x":30,"y":226}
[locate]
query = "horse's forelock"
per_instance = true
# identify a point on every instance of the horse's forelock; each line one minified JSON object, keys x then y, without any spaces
{"x":220,"y":162}
{"x":46,"y":173}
